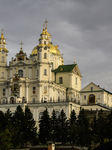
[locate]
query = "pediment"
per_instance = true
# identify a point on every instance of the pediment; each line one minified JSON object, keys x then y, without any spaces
{"x":76,"y":70}
{"x":20,"y":63}
{"x":93,"y":86}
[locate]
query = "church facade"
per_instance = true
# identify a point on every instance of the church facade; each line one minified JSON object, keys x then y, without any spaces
{"x":41,"y":81}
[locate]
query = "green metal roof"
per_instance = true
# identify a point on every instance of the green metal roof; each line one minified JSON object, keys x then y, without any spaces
{"x":64,"y":68}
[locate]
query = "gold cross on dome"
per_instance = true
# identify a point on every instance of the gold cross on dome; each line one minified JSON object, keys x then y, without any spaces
{"x":21,"y":43}
{"x":2,"y":30}
{"x":46,"y":22}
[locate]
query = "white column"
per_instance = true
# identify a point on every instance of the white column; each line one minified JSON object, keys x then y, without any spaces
{"x":40,"y":72}
{"x":49,"y":72}
{"x":70,"y":80}
{"x":39,"y":93}
{"x":27,"y":92}
{"x":20,"y":93}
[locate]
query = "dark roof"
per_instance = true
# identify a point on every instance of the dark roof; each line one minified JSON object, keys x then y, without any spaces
{"x":65,"y":68}
{"x":107,"y":91}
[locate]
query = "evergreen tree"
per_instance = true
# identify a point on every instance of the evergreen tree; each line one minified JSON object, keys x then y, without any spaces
{"x":109,"y":126}
{"x":2,"y":121}
{"x":83,"y":129}
{"x":45,"y":128}
{"x":100,"y":131}
{"x":73,"y":128}
{"x":62,"y":127}
{"x":5,"y":140}
{"x":30,"y":129}
{"x":8,"y":117}
{"x":54,"y":125}
{"x":18,"y":127}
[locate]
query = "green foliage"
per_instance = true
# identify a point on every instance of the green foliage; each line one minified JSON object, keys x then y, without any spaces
{"x":99,"y":128}
{"x":62,"y":128}
{"x":30,"y":129}
{"x":73,"y":128}
{"x":83,"y":130}
{"x":45,"y":128}
{"x":5,"y":140}
{"x":54,"y":126}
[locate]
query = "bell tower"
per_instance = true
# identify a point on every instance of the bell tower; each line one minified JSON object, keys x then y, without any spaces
{"x":3,"y":51}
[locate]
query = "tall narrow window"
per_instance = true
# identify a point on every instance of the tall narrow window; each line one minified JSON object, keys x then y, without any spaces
{"x":34,"y":89}
{"x":60,"y":80}
{"x":45,"y":71}
{"x":20,"y":73}
{"x":45,"y":55}
{"x":45,"y":42}
{"x":91,"y":88}
{"x":2,"y":58}
{"x":76,"y":81}
{"x":2,"y":75}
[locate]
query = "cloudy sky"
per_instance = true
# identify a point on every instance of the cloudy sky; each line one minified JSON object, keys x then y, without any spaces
{"x":81,"y":28}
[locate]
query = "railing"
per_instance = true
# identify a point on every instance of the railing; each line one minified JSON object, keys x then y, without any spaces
{"x":42,"y":102}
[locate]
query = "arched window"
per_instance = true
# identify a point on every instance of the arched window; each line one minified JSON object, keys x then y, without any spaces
{"x":60,"y":80}
{"x":91,"y":99}
{"x":20,"y":73}
{"x":40,"y":115}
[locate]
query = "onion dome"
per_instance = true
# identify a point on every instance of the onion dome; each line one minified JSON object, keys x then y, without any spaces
{"x":3,"y":43}
{"x":43,"y":33}
{"x":54,"y":49}
{"x":34,"y":51}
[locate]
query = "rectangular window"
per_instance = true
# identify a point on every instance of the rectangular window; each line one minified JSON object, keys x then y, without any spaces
{"x":60,"y":80}
{"x":76,"y":81}
{"x":38,"y":56}
{"x":45,"y":55}
{"x":45,"y":42}
{"x":91,"y":88}
{"x":45,"y":87}
{"x":34,"y":88}
{"x":85,"y":97}
{"x":45,"y":71}
{"x":2,"y":58}
{"x":2,"y":75}
{"x":3,"y":90}
{"x":33,"y":100}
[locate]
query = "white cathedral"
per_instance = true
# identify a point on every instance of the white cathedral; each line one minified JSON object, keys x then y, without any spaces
{"x":43,"y":81}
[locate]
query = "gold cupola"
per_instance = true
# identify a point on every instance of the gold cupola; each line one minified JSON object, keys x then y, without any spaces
{"x":34,"y":51}
{"x":3,"y":43}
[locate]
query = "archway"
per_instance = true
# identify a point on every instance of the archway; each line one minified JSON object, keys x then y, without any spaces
{"x":12,"y":100}
{"x":92,"y":99}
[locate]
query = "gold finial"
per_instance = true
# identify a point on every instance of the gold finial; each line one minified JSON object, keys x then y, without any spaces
{"x":43,"y":26}
{"x":2,"y":35}
{"x":46,"y":22}
{"x":74,"y":60}
{"x":21,"y":44}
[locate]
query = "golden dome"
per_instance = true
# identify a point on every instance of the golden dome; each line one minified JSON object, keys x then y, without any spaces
{"x":34,"y":51}
{"x":54,"y":49}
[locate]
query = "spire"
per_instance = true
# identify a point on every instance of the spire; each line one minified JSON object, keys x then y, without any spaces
{"x":46,"y":22}
{"x":2,"y":37}
{"x":21,"y":46}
